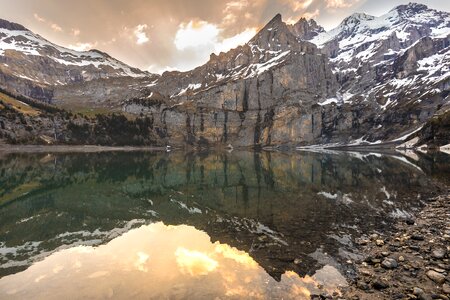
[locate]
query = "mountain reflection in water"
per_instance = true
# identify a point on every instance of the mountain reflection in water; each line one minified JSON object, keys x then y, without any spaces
{"x":160,"y":262}
{"x":292,"y":213}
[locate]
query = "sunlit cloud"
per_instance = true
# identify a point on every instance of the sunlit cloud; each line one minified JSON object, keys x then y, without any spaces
{"x":39,"y":18}
{"x":141,"y":261}
{"x":297,"y":5}
{"x":196,"y":34}
{"x":240,"y":257}
{"x":160,"y":70}
{"x":232,"y":10}
{"x":140,"y":34}
{"x":340,"y":3}
{"x":201,"y":34}
{"x":234,"y":41}
{"x":194,"y":263}
{"x":306,"y":15}
{"x":311,"y":15}
{"x":76,"y":32}
{"x":82,"y":46}
{"x":56,"y":27}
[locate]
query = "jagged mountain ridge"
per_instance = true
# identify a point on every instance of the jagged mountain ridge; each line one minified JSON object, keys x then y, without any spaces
{"x":370,"y":79}
{"x":364,"y":44}
{"x":392,"y":75}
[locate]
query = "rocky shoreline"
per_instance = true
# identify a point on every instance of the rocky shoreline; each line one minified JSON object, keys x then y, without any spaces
{"x":411,"y":263}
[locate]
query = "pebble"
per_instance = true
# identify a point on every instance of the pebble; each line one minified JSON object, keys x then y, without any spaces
{"x":446,"y":289}
{"x":363,"y":286}
{"x":365,"y":272}
{"x":410,"y":221}
{"x":417,"y":291}
{"x":417,"y":237}
{"x":380,"y":285}
{"x":436,"y":277}
{"x":438,"y":253}
{"x":414,"y":247}
{"x":393,"y":265}
{"x":439,"y":270}
{"x":374,"y":236}
{"x":389,"y":263}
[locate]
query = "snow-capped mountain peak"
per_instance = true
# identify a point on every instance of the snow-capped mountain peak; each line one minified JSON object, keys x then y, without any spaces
{"x":62,"y":65}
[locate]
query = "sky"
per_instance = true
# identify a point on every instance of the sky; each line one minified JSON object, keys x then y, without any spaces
{"x":159,"y":35}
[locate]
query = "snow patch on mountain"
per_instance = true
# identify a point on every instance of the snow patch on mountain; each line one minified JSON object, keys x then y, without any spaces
{"x":31,"y":44}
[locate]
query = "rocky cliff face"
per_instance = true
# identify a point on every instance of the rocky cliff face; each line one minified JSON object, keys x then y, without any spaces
{"x":370,"y":80}
{"x":263,"y":93}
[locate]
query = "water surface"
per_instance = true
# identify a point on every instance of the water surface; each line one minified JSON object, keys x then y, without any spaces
{"x":183,"y":225}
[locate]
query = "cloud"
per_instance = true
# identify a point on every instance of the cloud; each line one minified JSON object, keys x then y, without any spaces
{"x":232,"y":11}
{"x":201,"y":34}
{"x":234,"y":41}
{"x":196,"y":34}
{"x":311,"y":15}
{"x":56,"y":27}
{"x":306,"y":15}
{"x":140,"y":34}
{"x":39,"y":18}
{"x":82,"y":46}
{"x":76,"y":32}
{"x":160,"y":70}
{"x":340,"y":3}
{"x":297,"y":5}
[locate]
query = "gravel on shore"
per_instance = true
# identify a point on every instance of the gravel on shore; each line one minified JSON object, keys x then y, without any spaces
{"x":411,"y":263}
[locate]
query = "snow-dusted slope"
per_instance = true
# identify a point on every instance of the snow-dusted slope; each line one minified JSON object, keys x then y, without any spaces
{"x":274,"y":47}
{"x":29,"y":56}
{"x":359,"y":36}
{"x":391,"y":58}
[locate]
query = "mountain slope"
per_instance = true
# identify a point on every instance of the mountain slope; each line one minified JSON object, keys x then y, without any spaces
{"x":33,"y":66}
{"x":238,"y":97}
{"x":405,"y":48}
{"x":398,"y":63}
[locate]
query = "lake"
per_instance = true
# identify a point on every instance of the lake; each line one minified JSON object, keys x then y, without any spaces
{"x":225,"y":225}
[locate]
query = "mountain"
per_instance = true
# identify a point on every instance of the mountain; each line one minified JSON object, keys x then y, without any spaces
{"x":379,"y":48}
{"x":238,"y":97}
{"x":32,"y":66}
{"x":369,"y":81}
{"x":388,"y":76}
